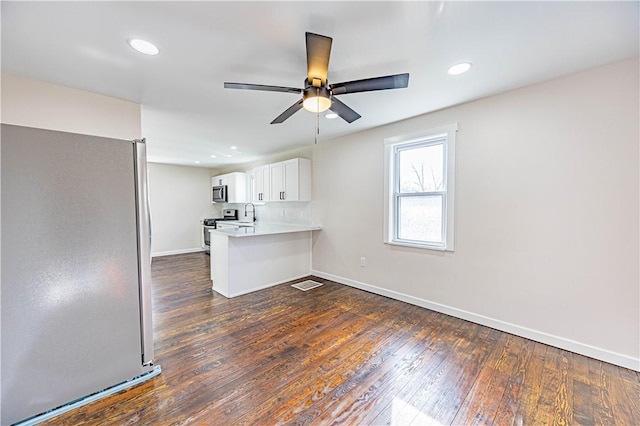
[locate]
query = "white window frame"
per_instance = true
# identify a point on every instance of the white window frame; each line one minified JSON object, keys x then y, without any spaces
{"x":445,"y":135}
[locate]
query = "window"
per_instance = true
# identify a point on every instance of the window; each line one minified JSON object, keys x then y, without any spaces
{"x":419,"y":184}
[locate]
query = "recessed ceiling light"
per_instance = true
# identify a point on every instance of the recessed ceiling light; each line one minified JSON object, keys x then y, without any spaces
{"x":214,"y":156}
{"x":460,"y":68}
{"x":143,"y":46}
{"x":234,"y":147}
{"x":197,"y":162}
{"x":331,"y":115}
{"x":228,"y":155}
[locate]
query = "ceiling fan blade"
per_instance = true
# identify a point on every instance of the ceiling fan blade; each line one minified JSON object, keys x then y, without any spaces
{"x":318,"y":51}
{"x":262,"y":87}
{"x":397,"y":81}
{"x":288,"y":112}
{"x":346,"y":113}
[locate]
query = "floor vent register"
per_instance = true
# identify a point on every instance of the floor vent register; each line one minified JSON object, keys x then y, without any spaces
{"x":306,"y":285}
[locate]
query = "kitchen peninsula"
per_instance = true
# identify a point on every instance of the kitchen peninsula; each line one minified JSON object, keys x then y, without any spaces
{"x":251,"y":258}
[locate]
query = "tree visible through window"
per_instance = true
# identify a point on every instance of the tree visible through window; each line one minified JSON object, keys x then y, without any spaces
{"x":419,"y":175}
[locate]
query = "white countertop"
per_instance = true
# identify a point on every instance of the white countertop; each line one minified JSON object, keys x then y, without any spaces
{"x":238,"y":222}
{"x":265,"y":229}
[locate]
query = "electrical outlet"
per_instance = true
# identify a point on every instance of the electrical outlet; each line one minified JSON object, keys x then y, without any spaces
{"x":363,"y":261}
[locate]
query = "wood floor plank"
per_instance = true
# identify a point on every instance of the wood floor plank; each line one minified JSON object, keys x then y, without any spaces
{"x":354,"y":335}
{"x":419,"y":401}
{"x":621,"y":405}
{"x":532,"y":387}
{"x":507,"y":411}
{"x":374,"y":390}
{"x":600,"y":399}
{"x":483,"y":400}
{"x":346,"y":402}
{"x":338,"y":355}
{"x":582,"y":405}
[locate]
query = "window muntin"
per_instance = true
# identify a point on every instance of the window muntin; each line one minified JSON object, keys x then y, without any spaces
{"x":419,"y":189}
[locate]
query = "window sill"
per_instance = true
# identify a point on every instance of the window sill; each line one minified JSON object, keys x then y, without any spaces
{"x":417,"y":245}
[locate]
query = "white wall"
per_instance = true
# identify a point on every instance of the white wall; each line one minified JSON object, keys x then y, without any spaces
{"x":179,"y":198}
{"x":34,"y":103}
{"x":547,"y":217}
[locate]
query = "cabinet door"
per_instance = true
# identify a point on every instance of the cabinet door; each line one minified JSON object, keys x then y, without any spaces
{"x":258,"y":185}
{"x":276,"y":177}
{"x":262,"y":187}
{"x":220,"y":180}
{"x":290,"y":169}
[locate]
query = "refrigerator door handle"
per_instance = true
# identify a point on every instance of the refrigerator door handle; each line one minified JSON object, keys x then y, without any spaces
{"x":144,"y":251}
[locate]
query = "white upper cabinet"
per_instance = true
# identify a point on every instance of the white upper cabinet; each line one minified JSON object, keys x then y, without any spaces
{"x":261,"y":184}
{"x":290,"y":180}
{"x":236,"y":184}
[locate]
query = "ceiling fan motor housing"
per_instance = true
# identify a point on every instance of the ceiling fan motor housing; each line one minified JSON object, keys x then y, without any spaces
{"x":316,"y":99}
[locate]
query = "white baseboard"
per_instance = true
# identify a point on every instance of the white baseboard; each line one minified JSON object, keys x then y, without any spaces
{"x":262,"y":287}
{"x":539,"y":336}
{"x":171,"y":252}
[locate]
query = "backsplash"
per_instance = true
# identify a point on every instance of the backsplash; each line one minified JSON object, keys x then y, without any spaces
{"x":293,"y":213}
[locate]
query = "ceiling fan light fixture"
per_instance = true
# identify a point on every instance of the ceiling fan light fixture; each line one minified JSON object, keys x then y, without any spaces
{"x":316,"y":99}
{"x":316,"y":103}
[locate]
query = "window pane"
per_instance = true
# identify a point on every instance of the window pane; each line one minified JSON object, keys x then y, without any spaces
{"x":420,"y":218}
{"x":421,"y":169}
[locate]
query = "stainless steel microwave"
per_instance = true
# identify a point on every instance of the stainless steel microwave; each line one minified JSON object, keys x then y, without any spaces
{"x":220,"y":194}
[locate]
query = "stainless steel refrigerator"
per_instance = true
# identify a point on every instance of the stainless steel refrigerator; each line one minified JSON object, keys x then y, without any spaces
{"x":75,"y":298}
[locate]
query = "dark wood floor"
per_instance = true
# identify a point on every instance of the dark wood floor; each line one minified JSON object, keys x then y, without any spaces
{"x":340,"y":355}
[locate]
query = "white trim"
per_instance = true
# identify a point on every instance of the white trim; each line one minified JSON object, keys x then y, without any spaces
{"x":91,"y":398}
{"x":448,"y":135}
{"x":262,"y":287}
{"x":417,"y":245}
{"x":172,"y":252}
{"x":450,"y":148}
{"x":538,"y":336}
{"x":426,"y":134}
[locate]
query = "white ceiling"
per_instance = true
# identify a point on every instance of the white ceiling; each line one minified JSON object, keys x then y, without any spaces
{"x":188,"y":116}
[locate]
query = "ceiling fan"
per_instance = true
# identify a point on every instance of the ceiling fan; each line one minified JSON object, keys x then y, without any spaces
{"x":318,"y":95}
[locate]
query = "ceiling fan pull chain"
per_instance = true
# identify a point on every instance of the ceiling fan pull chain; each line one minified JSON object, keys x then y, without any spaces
{"x":317,"y":127}
{"x":317,"y":116}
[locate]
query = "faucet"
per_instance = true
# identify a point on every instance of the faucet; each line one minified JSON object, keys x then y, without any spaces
{"x":253,"y":211}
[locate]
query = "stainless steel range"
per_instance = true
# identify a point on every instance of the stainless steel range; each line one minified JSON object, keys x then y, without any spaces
{"x":207,"y":224}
